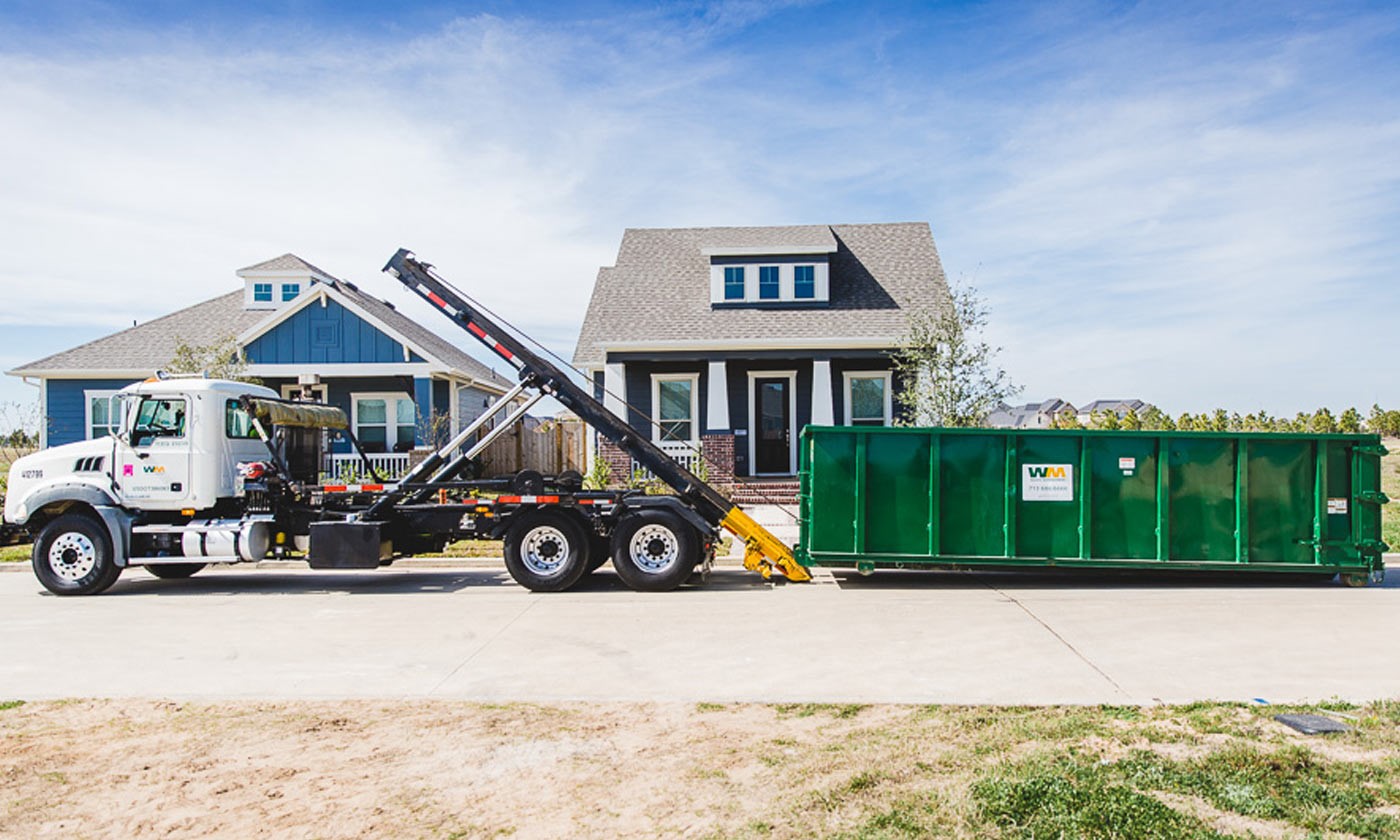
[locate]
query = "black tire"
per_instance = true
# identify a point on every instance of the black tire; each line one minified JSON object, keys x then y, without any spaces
{"x":73,"y":556}
{"x":174,"y":571}
{"x":546,"y":551}
{"x":655,"y":550}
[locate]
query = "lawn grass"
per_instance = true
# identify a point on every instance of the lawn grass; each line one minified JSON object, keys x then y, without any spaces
{"x":15,"y":553}
{"x":1390,"y":485}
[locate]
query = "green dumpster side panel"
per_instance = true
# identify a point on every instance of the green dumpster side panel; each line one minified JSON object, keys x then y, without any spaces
{"x":1191,"y":500}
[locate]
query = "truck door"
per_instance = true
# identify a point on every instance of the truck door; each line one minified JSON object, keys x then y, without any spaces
{"x":153,"y":462}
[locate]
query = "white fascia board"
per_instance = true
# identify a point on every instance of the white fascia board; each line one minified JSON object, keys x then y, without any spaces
{"x":324,"y":370}
{"x":314,"y":293}
{"x":472,"y":382}
{"x":284,"y":274}
{"x":83,"y":373}
{"x":863,"y":343}
{"x":766,"y":250}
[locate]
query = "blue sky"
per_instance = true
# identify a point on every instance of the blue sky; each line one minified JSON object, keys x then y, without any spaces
{"x":1195,"y":204}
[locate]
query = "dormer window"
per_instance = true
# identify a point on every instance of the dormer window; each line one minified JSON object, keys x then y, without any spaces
{"x":290,"y":291}
{"x":734,"y":282}
{"x":262,"y":292}
{"x":804,"y":282}
{"x":768,"y":282}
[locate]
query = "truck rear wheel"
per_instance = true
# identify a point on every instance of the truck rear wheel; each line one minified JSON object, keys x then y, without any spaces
{"x":655,"y":551}
{"x":546,"y":551}
{"x":173,"y":571}
{"x":73,"y":556}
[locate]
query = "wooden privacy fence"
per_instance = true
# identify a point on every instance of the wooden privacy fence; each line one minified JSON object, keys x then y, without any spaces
{"x":547,"y":446}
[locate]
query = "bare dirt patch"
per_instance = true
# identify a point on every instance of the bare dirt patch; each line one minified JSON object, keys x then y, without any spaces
{"x":451,"y":769}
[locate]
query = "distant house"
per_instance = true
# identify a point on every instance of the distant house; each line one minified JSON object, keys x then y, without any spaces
{"x":1029,"y":416}
{"x":301,"y":330}
{"x":1118,"y":407}
{"x":734,"y":338}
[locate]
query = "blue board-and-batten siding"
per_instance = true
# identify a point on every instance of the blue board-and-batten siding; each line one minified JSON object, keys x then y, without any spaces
{"x":66,"y":406}
{"x":329,"y":334}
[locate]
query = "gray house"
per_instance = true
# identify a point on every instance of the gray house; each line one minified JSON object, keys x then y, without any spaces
{"x":734,"y":338}
{"x":301,"y":331}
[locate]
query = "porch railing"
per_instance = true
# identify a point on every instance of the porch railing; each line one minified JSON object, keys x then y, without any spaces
{"x":682,"y":452}
{"x":390,"y":465}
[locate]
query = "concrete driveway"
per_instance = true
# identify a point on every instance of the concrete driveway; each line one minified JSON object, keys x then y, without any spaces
{"x":908,"y":637}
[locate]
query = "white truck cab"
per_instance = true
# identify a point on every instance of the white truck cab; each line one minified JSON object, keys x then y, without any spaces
{"x":172,"y":462}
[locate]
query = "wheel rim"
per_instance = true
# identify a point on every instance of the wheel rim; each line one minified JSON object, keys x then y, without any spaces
{"x":545,"y":550}
{"x":72,"y":556}
{"x":654,"y":548}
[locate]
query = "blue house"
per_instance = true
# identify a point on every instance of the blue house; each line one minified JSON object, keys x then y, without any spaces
{"x":301,"y":331}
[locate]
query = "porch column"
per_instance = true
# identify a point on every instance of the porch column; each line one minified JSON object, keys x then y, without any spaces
{"x":717,"y":406}
{"x":615,"y":390}
{"x":822,"y":414}
{"x":423,"y":398}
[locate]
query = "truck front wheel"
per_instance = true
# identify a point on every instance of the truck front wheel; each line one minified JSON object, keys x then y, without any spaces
{"x":546,"y":551}
{"x":73,"y":556}
{"x":655,"y":550}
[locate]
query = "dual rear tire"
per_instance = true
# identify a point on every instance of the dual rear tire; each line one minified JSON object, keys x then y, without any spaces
{"x":651,"y":550}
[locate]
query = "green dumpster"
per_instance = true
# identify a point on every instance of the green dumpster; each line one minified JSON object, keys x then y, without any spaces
{"x":875,"y":497}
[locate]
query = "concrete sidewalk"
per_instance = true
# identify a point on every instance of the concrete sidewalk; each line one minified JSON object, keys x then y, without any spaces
{"x":916,"y":637}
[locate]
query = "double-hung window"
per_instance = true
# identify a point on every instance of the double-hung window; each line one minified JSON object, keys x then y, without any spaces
{"x":804,"y":282}
{"x":103,"y":413}
{"x":734,"y":282}
{"x":868,"y":399}
{"x":768,"y":282}
{"x":290,"y":291}
{"x":385,"y":422}
{"x":262,"y":292}
{"x":674,"y":399}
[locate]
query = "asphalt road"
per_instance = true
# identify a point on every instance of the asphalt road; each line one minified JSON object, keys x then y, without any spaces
{"x":917,"y":637}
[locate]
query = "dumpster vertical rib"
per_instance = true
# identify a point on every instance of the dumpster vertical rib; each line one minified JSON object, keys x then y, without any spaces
{"x":935,"y":452}
{"x":1008,"y":521}
{"x":1085,"y":488}
{"x":1353,"y":509}
{"x":1319,"y":500}
{"x":1163,"y":501}
{"x":1242,"y":500}
{"x":858,"y":499}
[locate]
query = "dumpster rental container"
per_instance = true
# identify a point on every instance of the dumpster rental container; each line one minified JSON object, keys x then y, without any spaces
{"x":906,"y":497}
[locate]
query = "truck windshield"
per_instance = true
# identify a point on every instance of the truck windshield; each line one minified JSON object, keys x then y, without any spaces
{"x":158,"y":417}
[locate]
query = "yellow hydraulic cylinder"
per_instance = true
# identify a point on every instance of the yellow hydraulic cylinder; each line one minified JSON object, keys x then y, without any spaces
{"x":762,"y":551}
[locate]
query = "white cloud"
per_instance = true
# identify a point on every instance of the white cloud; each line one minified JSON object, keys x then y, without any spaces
{"x":1154,"y":208}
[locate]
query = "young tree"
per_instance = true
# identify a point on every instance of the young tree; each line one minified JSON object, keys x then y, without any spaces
{"x":1066,"y":419}
{"x":219,"y":359}
{"x":1349,"y":422}
{"x":1186,"y":422}
{"x":1131,"y":421}
{"x":1157,"y":419}
{"x":1322,"y":422}
{"x":949,"y":371}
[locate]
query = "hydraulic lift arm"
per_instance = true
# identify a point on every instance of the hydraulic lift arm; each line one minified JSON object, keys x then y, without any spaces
{"x":763,"y":552}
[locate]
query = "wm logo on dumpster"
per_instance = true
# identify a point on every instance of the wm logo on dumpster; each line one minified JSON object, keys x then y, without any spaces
{"x":1047,"y":472}
{"x":1047,"y":482}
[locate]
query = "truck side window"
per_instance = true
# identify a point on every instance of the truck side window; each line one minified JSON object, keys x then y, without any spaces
{"x":237,"y":424}
{"x":158,"y":417}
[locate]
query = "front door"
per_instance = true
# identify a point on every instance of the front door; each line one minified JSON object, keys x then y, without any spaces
{"x":772,"y":446}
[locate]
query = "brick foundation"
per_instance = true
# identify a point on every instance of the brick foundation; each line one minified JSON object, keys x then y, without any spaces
{"x":719,"y":460}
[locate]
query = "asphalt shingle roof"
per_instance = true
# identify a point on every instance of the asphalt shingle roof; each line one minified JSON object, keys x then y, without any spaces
{"x":148,"y":346}
{"x":659,"y":290}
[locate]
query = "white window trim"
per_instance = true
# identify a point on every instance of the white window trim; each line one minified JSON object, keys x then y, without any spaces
{"x":821,"y":282}
{"x":694,"y":380}
{"x":282,"y":291}
{"x":355,"y":398}
{"x":791,"y":376}
{"x":88,"y":397}
{"x":847,"y":376}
